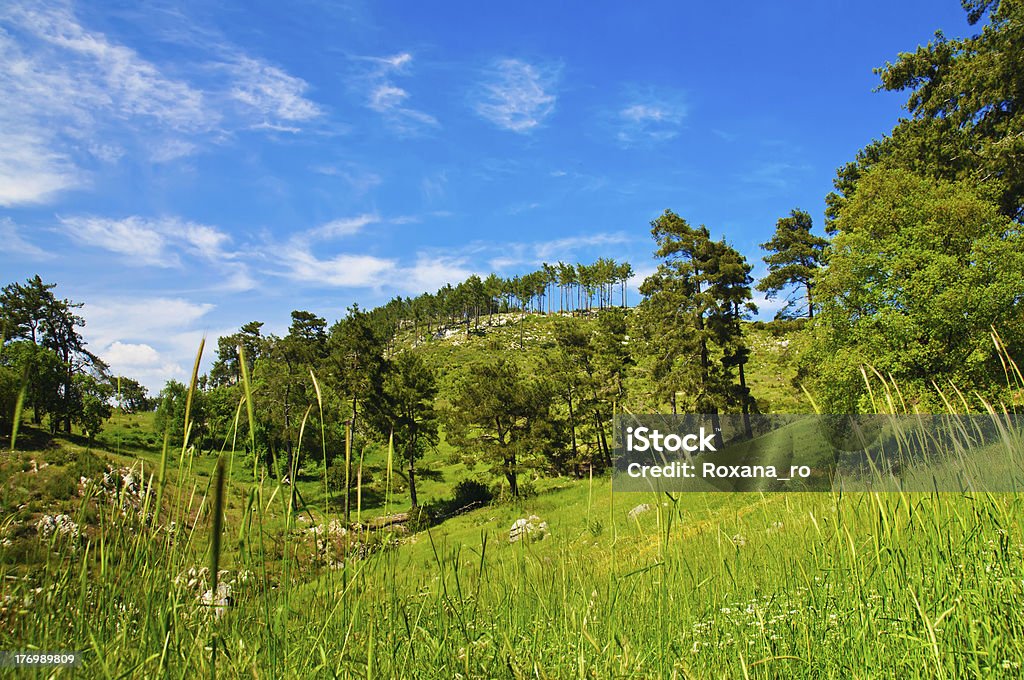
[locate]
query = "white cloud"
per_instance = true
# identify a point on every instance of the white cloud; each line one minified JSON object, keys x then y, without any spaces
{"x":389,"y":100}
{"x":766,"y":309}
{"x":271,"y":92}
{"x":74,"y":96}
{"x":431,"y":273}
{"x":517,"y":96}
{"x":344,"y":270}
{"x":98,"y":72}
{"x":639,"y":275}
{"x":154,"y":242}
{"x":206,"y":242}
{"x":168,"y":150}
{"x":343,"y":227}
{"x":395,"y":61}
{"x":149,"y":339}
{"x":513,"y":255}
{"x":650,"y":118}
{"x":30,"y":171}
{"x":16,"y":244}
{"x":145,"y":320}
{"x":124,"y":356}
{"x":566,"y":247}
{"x":386,"y":97}
{"x":238,"y":278}
{"x":132,"y":237}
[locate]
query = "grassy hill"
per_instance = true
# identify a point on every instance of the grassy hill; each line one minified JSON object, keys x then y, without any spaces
{"x":602,"y":585}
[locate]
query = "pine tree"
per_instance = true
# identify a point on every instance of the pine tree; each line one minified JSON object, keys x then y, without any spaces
{"x":795,"y":255}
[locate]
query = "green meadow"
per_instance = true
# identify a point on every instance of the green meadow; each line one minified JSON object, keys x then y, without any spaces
{"x":822,"y":584}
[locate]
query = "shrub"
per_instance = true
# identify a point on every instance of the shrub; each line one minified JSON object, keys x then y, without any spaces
{"x":469,"y":492}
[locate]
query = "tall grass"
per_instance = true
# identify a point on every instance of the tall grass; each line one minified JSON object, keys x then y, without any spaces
{"x":722,"y":585}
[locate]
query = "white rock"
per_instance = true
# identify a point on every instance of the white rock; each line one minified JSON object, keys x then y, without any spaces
{"x":518,"y":530}
{"x":57,"y":525}
{"x":221,"y":602}
{"x":532,"y":527}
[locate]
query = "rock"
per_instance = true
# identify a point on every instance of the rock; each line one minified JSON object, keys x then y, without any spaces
{"x":518,"y":530}
{"x":531,"y":527}
{"x":221,"y":602}
{"x":388,"y":520}
{"x":334,"y":528}
{"x":60,"y":526}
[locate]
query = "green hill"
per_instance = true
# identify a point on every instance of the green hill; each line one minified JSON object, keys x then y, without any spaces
{"x":599,"y":584}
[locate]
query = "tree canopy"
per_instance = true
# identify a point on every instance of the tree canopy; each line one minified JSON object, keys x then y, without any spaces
{"x":920,"y":270}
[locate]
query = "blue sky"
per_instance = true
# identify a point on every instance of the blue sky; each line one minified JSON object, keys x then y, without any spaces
{"x":184,"y":167}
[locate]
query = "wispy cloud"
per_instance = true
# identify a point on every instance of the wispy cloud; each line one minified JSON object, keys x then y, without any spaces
{"x":649,"y":117}
{"x":347,"y":226}
{"x":767,"y":309}
{"x":31,"y":171}
{"x":111,"y":319}
{"x":74,"y":96}
{"x":343,"y":270}
{"x":360,"y":180}
{"x":272,"y":93}
{"x":434,"y":186}
{"x":522,"y":207}
{"x":67,"y":58}
{"x":517,"y":95}
{"x":390,"y":100}
{"x":511,"y":255}
{"x":566,"y":247}
{"x":149,"y":242}
{"x":60,"y":86}
{"x":778,"y":175}
{"x":431,"y":272}
{"x":14,"y":242}
{"x":640,"y":275}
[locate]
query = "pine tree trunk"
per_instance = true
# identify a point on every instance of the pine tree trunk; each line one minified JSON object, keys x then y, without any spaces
{"x":746,"y":404}
{"x":412,"y":483}
{"x":603,"y":441}
{"x":512,"y":477}
{"x":572,"y":428}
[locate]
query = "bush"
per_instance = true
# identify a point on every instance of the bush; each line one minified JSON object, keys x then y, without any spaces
{"x":468,"y":495}
{"x":469,"y":492}
{"x":336,"y":475}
